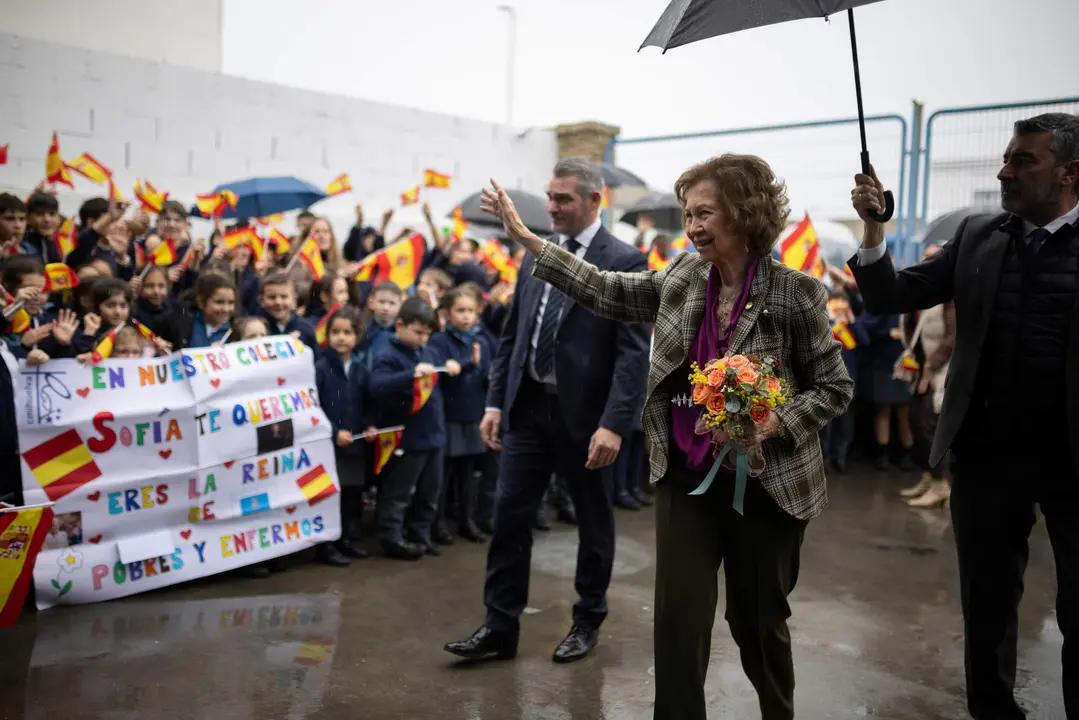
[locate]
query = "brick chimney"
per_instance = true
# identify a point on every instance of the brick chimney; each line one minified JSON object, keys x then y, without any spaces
{"x":585,"y":138}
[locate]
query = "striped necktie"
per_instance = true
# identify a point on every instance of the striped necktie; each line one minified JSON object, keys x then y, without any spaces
{"x":1037,"y":240}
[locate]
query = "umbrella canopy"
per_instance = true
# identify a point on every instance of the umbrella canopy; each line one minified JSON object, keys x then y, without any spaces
{"x":259,"y":197}
{"x":663,"y":207}
{"x":615,"y":177}
{"x":944,"y":227}
{"x":687,"y":21}
{"x":531,"y":208}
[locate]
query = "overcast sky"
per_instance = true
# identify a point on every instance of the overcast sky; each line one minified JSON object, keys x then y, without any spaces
{"x":578,"y":60}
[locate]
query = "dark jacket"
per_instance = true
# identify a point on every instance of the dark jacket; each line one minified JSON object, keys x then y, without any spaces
{"x":342,"y":397}
{"x":178,"y":327}
{"x":150,"y":315}
{"x":353,"y":250}
{"x":391,"y":388}
{"x":295,"y":324}
{"x":465,"y":395}
{"x":34,"y":243}
{"x":375,"y":338}
{"x":49,"y":345}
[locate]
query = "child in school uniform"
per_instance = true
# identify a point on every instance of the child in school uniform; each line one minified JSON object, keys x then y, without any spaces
{"x":278,"y":301}
{"x":464,"y":397}
{"x":130,"y":343}
{"x":411,"y":481}
{"x":209,"y":321}
{"x":341,"y":380}
{"x":383,"y":303}
{"x":329,"y":291}
{"x":24,"y":278}
{"x":111,"y":301}
{"x":154,"y":300}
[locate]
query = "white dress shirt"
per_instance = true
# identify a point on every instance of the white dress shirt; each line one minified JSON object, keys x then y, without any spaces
{"x":868,"y":256}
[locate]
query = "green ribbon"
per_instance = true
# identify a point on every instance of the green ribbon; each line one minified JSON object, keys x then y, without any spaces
{"x":741,"y":472}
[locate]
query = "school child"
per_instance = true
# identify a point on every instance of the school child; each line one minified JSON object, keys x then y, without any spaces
{"x":341,"y":380}
{"x":249,"y":327}
{"x":154,"y":300}
{"x":464,"y":397}
{"x":42,"y":221}
{"x":329,"y":291}
{"x":383,"y":303}
{"x":24,"y":278}
{"x":12,"y":224}
{"x":278,"y":301}
{"x":209,"y":321}
{"x":433,"y":284}
{"x":111,"y":301}
{"x":130,"y":343}
{"x":411,"y":480}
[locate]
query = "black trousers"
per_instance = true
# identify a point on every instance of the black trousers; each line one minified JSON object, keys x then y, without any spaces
{"x":537,"y":445}
{"x":992,"y":502}
{"x":760,"y":556}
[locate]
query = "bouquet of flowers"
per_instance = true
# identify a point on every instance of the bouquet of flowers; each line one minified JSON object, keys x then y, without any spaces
{"x":736,"y":393}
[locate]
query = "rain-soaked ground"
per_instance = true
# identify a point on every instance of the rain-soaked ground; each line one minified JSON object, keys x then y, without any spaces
{"x":876,"y":632}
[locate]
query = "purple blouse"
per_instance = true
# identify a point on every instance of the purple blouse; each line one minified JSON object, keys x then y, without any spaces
{"x":708,"y":346}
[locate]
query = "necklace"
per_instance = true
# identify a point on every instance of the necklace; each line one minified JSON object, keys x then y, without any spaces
{"x":723,"y":311}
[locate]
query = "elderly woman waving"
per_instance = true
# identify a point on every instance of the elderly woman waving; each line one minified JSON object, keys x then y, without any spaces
{"x":729,"y":297}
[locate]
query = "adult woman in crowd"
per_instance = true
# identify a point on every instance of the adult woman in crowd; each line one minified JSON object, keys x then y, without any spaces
{"x":729,"y":297}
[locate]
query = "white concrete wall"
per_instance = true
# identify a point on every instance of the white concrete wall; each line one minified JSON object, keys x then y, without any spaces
{"x":187,"y":130}
{"x":184,"y":33}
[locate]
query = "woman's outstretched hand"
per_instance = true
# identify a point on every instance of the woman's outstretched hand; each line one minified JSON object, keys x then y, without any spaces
{"x":498,"y":203}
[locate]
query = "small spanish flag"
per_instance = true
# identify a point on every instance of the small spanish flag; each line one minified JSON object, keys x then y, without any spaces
{"x":114,"y":192}
{"x":22,"y":533}
{"x":3,"y":154}
{"x":56,"y":170}
{"x":105,"y":346}
{"x":385,"y":444}
{"x":494,"y":255}
{"x":215,"y":204}
{"x":270,"y":219}
{"x":62,"y":464}
{"x":90,"y":168}
{"x":144,"y":331}
{"x":422,"y":387}
{"x":322,"y":329}
{"x":680,"y":244}
{"x":311,"y":256}
{"x":435,"y":179}
{"x":239,"y":236}
{"x":316,"y":485}
{"x":801,"y":248}
{"x":254,"y":241}
{"x":148,"y":196}
{"x":16,"y":319}
{"x":314,"y":652}
{"x":59,"y":276}
{"x":909,"y":363}
{"x":340,"y":184}
{"x":165,"y":253}
{"x":843,"y":334}
{"x":280,"y":242}
{"x":400,"y":262}
{"x":65,"y":237}
{"x":410,"y":196}
{"x":656,"y":261}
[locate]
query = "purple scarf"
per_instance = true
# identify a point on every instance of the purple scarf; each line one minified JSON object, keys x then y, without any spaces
{"x":708,"y":346}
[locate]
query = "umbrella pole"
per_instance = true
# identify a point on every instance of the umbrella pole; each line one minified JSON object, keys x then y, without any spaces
{"x":889,"y":199}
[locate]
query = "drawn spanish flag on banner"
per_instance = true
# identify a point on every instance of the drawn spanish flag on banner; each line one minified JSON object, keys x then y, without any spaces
{"x":316,"y":485}
{"x":56,"y":170}
{"x":410,"y":196}
{"x":90,"y":168}
{"x":322,"y":329}
{"x":22,"y":532}
{"x":400,"y":262}
{"x":314,"y":652}
{"x":422,"y":387}
{"x":59,"y":276}
{"x":435,"y":179}
{"x":800,"y":250}
{"x":311,"y":256}
{"x":385,"y":444}
{"x":843,"y":334}
{"x":165,"y":253}
{"x":104,"y":348}
{"x":65,"y":237}
{"x":62,"y":464}
{"x":340,"y":184}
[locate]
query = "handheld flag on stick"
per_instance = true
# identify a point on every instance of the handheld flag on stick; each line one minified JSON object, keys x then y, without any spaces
{"x":150,"y":199}
{"x":385,"y":443}
{"x":340,"y":184}
{"x":410,"y":196}
{"x":3,"y":154}
{"x":435,"y":179}
{"x":15,"y":317}
{"x":56,"y":170}
{"x":422,"y":387}
{"x":65,"y":237}
{"x":494,"y":256}
{"x":800,"y":250}
{"x":322,"y":330}
{"x":165,"y":253}
{"x":90,"y":168}
{"x":459,"y":225}
{"x":215,"y":204}
{"x":280,"y":242}
{"x":59,"y":276}
{"x":842,"y":333}
{"x":105,"y":347}
{"x":310,"y":256}
{"x":270,"y":219}
{"x":22,"y":533}
{"x":400,"y":262}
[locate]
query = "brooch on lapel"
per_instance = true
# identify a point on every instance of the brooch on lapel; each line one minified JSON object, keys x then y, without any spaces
{"x":682,"y":400}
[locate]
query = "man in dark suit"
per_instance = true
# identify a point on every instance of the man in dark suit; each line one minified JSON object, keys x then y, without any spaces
{"x":1011,"y":408}
{"x":564,"y":387}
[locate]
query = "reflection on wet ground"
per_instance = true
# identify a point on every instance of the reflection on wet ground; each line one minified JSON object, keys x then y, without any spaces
{"x":876,"y":628}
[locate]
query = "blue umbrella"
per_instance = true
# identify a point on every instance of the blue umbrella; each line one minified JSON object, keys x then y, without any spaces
{"x":259,"y":197}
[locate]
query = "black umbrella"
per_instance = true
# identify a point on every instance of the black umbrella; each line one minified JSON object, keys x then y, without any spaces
{"x":614,"y":177}
{"x":943,"y":227}
{"x":662,"y":207}
{"x":687,"y":21}
{"x":531,"y":208}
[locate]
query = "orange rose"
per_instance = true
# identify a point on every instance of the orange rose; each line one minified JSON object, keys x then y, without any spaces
{"x":715,"y":377}
{"x":737,"y":361}
{"x":773,"y":385}
{"x":701,"y":394}
{"x":759,"y":414}
{"x":716,"y":404}
{"x":747,"y":375}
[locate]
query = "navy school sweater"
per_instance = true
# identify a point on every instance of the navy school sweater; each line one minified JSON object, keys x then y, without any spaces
{"x":464,"y":396}
{"x":295,"y":324}
{"x":375,"y":339}
{"x":390,"y":388}
{"x":341,"y":395}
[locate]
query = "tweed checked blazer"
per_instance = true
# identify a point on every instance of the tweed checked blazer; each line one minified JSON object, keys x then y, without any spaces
{"x":785,"y":316}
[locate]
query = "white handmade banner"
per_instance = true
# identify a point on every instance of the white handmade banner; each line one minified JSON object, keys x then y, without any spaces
{"x":168,"y":469}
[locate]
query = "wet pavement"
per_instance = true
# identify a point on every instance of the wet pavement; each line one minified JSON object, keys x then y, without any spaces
{"x":876,"y":628}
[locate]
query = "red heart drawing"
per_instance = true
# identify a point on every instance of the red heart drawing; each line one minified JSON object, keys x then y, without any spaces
{"x":165,"y":453}
{"x":185,"y":534}
{"x":291,"y":509}
{"x":230,"y":463}
{"x":94,"y":496}
{"x":314,"y":420}
{"x":83,"y":392}
{"x":95,"y":539}
{"x":280,"y":381}
{"x":216,"y":382}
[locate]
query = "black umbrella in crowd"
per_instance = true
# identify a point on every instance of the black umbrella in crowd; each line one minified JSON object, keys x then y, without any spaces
{"x":662,"y":207}
{"x":531,"y":208}
{"x":616,"y":177}
{"x":687,"y":21}
{"x":943,"y":228}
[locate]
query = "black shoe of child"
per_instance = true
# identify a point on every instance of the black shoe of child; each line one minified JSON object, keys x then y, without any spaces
{"x":627,"y":502}
{"x":432,"y":549}
{"x":351,"y":548}
{"x":642,"y":497}
{"x":402,"y":551}
{"x":329,"y":554}
{"x":469,"y":531}
{"x":442,"y":536}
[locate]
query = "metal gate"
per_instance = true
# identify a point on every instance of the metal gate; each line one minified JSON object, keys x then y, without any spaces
{"x":963,"y":151}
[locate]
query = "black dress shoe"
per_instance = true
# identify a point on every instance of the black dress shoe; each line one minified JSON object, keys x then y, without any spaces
{"x":352,"y":549}
{"x":642,"y":497}
{"x":470,"y":532}
{"x":329,"y":554}
{"x":484,"y":644}
{"x":432,"y":549}
{"x":403,"y":551}
{"x":568,"y":515}
{"x":541,"y":523}
{"x":442,"y":536}
{"x":627,"y":502}
{"x":577,"y":644}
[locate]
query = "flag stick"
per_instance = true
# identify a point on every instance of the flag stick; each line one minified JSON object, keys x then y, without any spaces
{"x":378,"y":431}
{"x":13,"y":308}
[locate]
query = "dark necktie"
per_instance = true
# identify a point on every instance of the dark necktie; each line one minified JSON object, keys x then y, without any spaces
{"x":1037,"y":239}
{"x":544,"y":359}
